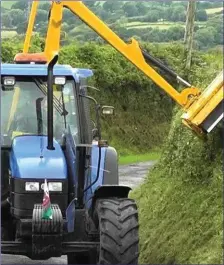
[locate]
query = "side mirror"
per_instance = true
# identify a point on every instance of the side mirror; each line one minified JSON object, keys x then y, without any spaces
{"x":107,"y":110}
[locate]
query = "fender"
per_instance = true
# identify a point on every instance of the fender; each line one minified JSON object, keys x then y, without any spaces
{"x":109,"y":191}
{"x":110,"y":176}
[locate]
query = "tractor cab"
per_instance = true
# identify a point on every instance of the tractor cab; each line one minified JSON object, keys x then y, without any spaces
{"x":24,"y":100}
{"x":24,"y":103}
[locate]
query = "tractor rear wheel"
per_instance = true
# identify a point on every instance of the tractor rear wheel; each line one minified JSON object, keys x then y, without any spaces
{"x":117,"y":221}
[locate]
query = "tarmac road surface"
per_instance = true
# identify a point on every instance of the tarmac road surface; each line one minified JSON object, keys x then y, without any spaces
{"x":130,"y":175}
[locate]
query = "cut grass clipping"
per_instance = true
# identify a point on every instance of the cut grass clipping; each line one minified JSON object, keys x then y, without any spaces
{"x":180,"y":203}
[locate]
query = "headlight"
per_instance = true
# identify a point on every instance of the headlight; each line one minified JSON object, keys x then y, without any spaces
{"x":9,"y":81}
{"x":32,"y":186}
{"x":55,"y":186}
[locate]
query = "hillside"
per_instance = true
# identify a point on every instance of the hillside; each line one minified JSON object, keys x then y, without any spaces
{"x":147,"y":21}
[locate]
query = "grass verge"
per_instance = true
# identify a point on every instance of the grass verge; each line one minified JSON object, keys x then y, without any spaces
{"x":180,"y":203}
{"x":136,"y":158}
{"x":180,"y":223}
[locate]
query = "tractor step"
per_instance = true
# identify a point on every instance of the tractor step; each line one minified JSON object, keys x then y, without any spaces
{"x":47,"y":235}
{"x":21,"y":248}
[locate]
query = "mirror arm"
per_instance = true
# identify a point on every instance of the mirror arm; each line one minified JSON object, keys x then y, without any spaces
{"x":98,"y":107}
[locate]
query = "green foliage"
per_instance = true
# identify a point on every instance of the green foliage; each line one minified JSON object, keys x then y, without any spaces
{"x":123,"y":86}
{"x":180,"y":203}
{"x":111,"y":6}
{"x":130,"y":9}
{"x":180,"y":223}
{"x":205,"y":36}
{"x":6,"y":20}
{"x":201,"y":15}
{"x":115,"y":13}
{"x":22,"y":5}
{"x":17,"y":16}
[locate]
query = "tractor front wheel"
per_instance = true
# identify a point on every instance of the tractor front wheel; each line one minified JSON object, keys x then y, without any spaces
{"x":117,"y":221}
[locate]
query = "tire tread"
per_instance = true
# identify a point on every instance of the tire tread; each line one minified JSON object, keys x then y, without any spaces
{"x":118,"y":227}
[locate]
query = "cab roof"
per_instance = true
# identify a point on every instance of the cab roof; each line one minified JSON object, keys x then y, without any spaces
{"x":41,"y":70}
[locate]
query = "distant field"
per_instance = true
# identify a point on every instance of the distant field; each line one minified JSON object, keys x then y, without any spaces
{"x":7,"y":4}
{"x":151,"y":25}
{"x":214,"y":10}
{"x":159,"y":25}
{"x":142,"y":25}
{"x":8,"y":34}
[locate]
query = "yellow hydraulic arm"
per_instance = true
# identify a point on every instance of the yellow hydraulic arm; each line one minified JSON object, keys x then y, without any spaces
{"x":190,"y":99}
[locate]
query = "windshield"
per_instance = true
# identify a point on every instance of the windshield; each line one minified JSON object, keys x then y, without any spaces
{"x":24,"y":109}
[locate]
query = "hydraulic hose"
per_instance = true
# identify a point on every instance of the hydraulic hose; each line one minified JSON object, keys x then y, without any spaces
{"x":149,"y":58}
{"x":98,"y":172}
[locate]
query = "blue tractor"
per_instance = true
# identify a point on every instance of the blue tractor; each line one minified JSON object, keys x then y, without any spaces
{"x":47,"y":133}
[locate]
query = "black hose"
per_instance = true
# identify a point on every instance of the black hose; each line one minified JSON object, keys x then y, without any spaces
{"x":98,"y":171}
{"x":150,"y":59}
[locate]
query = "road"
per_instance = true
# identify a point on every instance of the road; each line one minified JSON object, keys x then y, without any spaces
{"x":130,"y":175}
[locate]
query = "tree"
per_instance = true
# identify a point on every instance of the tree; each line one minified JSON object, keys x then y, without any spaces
{"x":142,"y":8}
{"x":21,"y":28}
{"x":45,"y":6}
{"x":189,"y":31}
{"x":6,"y":20}
{"x":22,"y":5}
{"x":103,"y":14}
{"x":130,"y":9}
{"x":175,"y":33}
{"x":17,"y":16}
{"x":90,"y":3}
{"x":201,"y":15}
{"x":205,"y":37}
{"x":177,"y":13}
{"x":204,"y":5}
{"x":111,"y":6}
{"x":42,"y":15}
{"x":152,"y":16}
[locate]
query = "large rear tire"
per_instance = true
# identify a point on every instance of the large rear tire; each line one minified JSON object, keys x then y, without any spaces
{"x":118,"y":227}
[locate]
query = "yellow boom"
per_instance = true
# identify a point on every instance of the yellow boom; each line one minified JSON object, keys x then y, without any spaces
{"x":202,"y":110}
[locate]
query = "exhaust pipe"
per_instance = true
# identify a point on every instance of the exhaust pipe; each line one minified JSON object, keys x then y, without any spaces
{"x":50,"y":106}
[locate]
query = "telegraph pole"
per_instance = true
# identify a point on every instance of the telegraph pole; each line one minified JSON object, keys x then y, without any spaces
{"x":189,"y":32}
